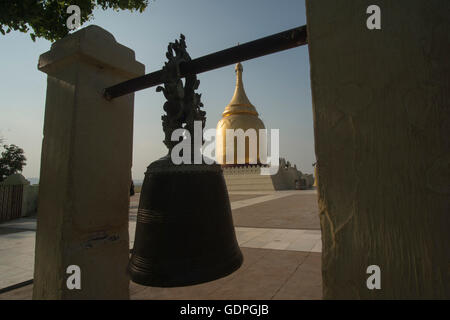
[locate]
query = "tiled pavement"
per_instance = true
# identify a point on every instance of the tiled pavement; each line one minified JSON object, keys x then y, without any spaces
{"x":290,"y":210}
{"x":265,"y":274}
{"x":281,"y":260}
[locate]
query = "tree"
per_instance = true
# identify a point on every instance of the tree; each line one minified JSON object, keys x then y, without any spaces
{"x":12,"y":160}
{"x":47,"y":18}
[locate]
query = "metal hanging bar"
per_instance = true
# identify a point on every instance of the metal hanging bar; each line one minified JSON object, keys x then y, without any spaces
{"x":277,"y":42}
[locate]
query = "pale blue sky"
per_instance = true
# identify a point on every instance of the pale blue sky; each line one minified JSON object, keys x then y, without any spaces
{"x":278,"y":84}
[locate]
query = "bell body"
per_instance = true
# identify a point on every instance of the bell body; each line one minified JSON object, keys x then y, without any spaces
{"x":184,"y":229}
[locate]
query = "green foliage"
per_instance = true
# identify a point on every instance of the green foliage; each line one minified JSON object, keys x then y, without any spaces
{"x":47,"y":18}
{"x":12,"y":160}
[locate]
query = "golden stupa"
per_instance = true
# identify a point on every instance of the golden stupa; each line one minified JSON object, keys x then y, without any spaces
{"x":238,"y":114}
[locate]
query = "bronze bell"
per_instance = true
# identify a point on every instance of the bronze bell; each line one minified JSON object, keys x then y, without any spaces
{"x":184,"y":228}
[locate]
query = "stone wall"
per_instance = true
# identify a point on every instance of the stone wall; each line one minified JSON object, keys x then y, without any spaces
{"x":249,"y":178}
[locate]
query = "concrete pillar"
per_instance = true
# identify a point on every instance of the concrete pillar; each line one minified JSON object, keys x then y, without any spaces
{"x":85,"y":168}
{"x":381,"y":122}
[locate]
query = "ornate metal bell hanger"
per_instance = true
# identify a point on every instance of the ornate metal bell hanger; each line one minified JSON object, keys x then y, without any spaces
{"x":184,"y":229}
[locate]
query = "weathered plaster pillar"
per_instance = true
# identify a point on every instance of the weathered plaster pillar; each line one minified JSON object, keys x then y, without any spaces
{"x":85,"y":168}
{"x":381,"y":101}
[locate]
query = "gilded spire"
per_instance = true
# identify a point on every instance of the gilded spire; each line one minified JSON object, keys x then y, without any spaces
{"x":239,"y":103}
{"x":238,"y":70}
{"x":238,"y":114}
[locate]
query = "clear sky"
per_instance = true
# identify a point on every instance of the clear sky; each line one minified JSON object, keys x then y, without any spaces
{"x":278,"y":84}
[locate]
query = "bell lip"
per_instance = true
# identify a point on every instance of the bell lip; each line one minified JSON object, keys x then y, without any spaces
{"x":217,"y":267}
{"x":142,"y":279}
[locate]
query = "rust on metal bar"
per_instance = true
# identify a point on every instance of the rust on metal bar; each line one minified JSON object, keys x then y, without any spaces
{"x":277,"y":42}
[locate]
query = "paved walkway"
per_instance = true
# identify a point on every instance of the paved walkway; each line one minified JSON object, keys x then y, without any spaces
{"x":278,"y":254}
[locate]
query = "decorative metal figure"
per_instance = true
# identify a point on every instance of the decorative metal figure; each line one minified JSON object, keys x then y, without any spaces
{"x":183,"y":104}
